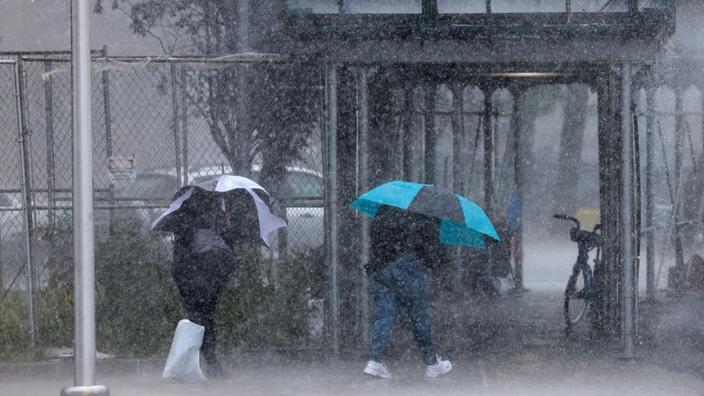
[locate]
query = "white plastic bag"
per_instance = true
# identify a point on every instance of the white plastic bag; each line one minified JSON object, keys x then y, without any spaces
{"x":183,"y":363}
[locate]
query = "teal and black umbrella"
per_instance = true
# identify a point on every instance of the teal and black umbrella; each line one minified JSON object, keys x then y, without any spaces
{"x":462,"y":221}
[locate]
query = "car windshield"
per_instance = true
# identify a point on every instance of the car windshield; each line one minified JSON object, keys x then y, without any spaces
{"x":298,"y":184}
{"x":305,"y":185}
{"x":149,"y":187}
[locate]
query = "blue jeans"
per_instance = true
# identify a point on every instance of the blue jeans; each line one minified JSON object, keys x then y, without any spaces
{"x":402,"y":284}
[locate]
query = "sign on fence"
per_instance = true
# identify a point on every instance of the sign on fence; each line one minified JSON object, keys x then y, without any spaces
{"x":121,"y":169}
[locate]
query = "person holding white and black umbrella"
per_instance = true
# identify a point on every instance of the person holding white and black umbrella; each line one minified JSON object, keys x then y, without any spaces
{"x":211,"y":222}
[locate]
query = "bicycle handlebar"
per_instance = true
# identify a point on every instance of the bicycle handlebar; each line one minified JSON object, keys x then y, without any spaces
{"x":565,"y":217}
{"x":589,"y":239}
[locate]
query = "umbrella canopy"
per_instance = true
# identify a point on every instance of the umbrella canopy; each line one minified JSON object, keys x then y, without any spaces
{"x":227,"y":193}
{"x":462,"y":221}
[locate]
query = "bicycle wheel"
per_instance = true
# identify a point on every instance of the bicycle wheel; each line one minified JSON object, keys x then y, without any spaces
{"x":576,"y":305}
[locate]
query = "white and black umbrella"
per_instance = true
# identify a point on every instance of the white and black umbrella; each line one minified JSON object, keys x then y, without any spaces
{"x":231,"y":199}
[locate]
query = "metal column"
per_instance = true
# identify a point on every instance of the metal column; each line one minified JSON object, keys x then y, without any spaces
{"x":430,"y":134}
{"x":84,"y":294}
{"x":458,"y":176}
{"x":649,"y":204}
{"x":407,"y":170}
{"x":488,"y":153}
{"x":363,"y":186}
{"x":519,"y":179}
{"x":608,"y":274}
{"x":333,"y":232}
{"x":679,"y":191}
{"x":629,"y":273}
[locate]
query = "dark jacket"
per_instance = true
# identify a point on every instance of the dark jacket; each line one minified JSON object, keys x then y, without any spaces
{"x":209,"y":230}
{"x":396,"y":233}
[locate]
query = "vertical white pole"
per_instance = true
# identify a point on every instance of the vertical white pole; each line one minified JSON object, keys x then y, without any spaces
{"x":84,"y":292}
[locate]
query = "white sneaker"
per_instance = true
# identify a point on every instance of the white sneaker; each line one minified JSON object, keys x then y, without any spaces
{"x":376,"y":369}
{"x":441,"y":367}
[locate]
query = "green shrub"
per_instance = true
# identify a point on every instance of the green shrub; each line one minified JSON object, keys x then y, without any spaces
{"x":138,"y":305}
{"x":256,"y":313}
{"x":55,"y":319}
{"x":14,"y":335}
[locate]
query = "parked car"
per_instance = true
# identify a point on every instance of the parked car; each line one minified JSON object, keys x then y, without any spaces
{"x":11,"y":214}
{"x":13,"y":241}
{"x":11,"y":232}
{"x":301,"y":196}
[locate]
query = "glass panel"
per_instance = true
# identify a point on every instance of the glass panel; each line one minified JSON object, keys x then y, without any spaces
{"x":313,"y":6}
{"x":355,"y":6}
{"x":644,"y":4}
{"x":519,"y":6}
{"x":461,"y":6}
{"x":599,"y":6}
{"x":383,"y":7}
{"x":511,"y":6}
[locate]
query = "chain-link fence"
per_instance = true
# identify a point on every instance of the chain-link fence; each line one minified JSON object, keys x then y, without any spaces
{"x":12,"y":222}
{"x":160,"y":124}
{"x":157,"y":125}
{"x":155,"y":130}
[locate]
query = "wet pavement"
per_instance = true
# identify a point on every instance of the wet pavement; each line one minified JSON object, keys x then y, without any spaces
{"x":526,"y":376}
{"x":514,"y":346}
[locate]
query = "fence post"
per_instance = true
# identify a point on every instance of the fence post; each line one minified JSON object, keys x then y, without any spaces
{"x":184,"y":125}
{"x":108,"y":136}
{"x":50,"y":163}
{"x":174,"y":113}
{"x":25,"y":174}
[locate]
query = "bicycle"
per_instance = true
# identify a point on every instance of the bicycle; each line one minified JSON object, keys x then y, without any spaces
{"x":580,"y":290}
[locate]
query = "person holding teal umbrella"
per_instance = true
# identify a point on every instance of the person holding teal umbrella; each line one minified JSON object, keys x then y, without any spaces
{"x":411,"y":223}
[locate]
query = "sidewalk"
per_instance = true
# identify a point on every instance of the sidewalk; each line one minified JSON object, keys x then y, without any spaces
{"x":531,"y":373}
{"x":519,"y":349}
